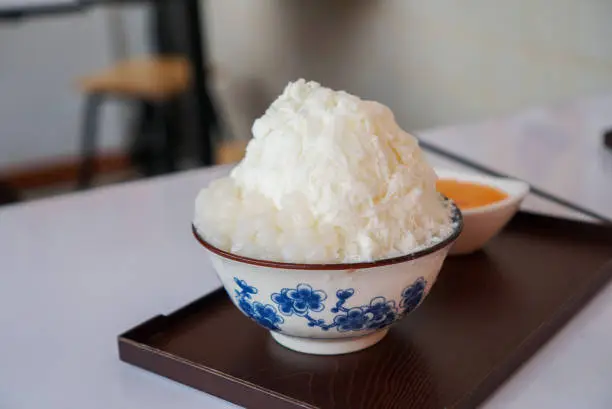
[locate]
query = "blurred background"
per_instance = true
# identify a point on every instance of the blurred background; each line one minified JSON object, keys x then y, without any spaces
{"x":98,"y":92}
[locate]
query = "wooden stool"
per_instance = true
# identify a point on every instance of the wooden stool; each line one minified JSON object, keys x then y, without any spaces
{"x":156,"y":82}
{"x":231,"y":151}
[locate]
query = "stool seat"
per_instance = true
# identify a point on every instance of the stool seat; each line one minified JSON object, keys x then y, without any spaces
{"x":231,"y":151}
{"x":157,"y":82}
{"x":155,"y":79}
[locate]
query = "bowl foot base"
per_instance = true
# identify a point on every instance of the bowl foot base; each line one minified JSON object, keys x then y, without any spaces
{"x":327,"y":346}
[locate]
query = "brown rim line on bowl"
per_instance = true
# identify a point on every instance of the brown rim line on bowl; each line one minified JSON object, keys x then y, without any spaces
{"x":457,"y":222}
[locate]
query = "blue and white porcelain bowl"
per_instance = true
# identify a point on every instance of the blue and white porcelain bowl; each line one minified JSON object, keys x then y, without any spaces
{"x":329,"y":309}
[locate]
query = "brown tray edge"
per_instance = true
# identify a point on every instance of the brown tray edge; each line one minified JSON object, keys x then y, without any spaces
{"x":133,"y":350}
{"x":208,"y":380}
{"x":536,"y":340}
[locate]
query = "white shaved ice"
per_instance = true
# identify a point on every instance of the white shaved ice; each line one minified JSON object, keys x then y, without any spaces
{"x":327,"y":178}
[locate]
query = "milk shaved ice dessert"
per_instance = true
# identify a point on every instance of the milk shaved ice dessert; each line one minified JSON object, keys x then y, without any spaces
{"x":327,"y":178}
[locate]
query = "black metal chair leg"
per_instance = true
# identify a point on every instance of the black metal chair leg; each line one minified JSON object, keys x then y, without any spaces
{"x":157,"y":139}
{"x":206,"y":117}
{"x":141,"y":151}
{"x":88,"y":140}
{"x":153,"y":149}
{"x":172,"y":135}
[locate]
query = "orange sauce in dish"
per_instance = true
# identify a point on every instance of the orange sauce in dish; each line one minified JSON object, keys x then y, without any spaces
{"x":468,"y":195}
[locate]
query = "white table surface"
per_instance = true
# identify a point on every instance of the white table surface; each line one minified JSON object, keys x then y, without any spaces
{"x":77,"y":270}
{"x":558,"y":149}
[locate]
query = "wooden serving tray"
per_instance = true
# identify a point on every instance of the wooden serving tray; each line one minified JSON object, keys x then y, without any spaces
{"x":487,"y":313}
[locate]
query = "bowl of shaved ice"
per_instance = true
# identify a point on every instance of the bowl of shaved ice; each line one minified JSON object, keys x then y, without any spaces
{"x":330,"y":229}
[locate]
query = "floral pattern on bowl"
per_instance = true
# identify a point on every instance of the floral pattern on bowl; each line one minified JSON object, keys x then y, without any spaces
{"x":336,"y":308}
{"x":303,"y":300}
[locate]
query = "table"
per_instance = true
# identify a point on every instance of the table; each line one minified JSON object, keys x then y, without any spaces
{"x":79,"y":269}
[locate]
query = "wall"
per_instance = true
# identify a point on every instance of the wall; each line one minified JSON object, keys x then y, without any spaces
{"x":434,"y":62}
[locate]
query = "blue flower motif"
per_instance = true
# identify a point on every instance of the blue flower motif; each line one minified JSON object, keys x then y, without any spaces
{"x":266,"y":316}
{"x":300,"y":300}
{"x":385,"y":321}
{"x":303,"y":300}
{"x":285,"y":304}
{"x":345,"y":294}
{"x":412,"y":295}
{"x":318,"y":323}
{"x":383,"y":311}
{"x":245,"y":306}
{"x":354,"y":319}
{"x":246,"y":290}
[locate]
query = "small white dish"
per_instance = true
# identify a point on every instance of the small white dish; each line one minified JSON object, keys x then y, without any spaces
{"x":480,"y":224}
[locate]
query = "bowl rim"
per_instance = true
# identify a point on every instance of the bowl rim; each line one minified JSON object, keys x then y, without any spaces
{"x":457,"y":224}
